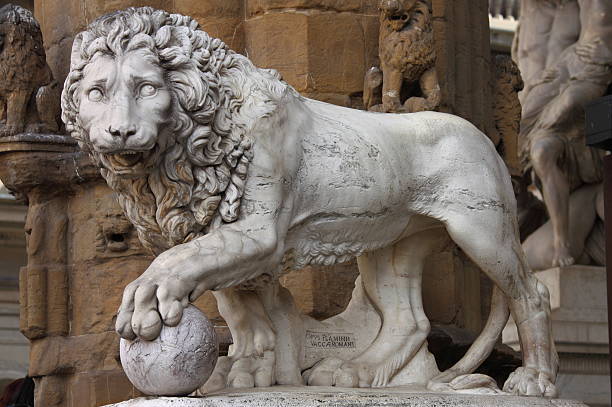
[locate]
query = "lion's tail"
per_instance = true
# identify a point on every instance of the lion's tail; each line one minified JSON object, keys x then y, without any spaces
{"x":483,"y":345}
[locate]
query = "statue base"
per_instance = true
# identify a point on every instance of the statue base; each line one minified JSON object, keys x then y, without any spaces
{"x":282,"y":396}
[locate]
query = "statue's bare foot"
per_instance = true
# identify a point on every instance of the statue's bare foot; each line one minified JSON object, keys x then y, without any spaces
{"x":526,"y":381}
{"x":562,"y":257}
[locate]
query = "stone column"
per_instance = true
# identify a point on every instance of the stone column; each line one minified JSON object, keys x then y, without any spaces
{"x":81,"y":253}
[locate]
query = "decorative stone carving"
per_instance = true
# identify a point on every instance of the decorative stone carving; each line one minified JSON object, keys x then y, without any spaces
{"x":232,"y":177}
{"x":507,"y":83}
{"x":564,"y":52}
{"x":29,"y":97}
{"x":407,"y":60}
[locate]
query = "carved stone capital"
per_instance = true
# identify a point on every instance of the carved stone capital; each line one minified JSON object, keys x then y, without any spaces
{"x":49,"y":161}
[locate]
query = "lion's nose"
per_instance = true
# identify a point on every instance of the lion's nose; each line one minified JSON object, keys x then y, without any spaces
{"x":122,"y":131}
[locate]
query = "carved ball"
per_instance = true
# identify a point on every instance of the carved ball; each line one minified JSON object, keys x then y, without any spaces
{"x":178,"y":362}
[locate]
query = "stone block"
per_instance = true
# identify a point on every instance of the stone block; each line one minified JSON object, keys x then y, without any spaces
{"x":99,"y":388}
{"x":208,"y":305}
{"x":322,"y":291}
{"x":317,"y":52}
{"x":580,"y":330}
{"x":50,"y":391}
{"x":96,"y":290}
{"x":579,"y":309}
{"x":280,"y":41}
{"x":452,"y":290}
{"x":230,"y":30}
{"x":562,"y":283}
{"x":255,"y":7}
{"x":59,"y":20}
{"x":93,"y":9}
{"x":219,"y":18}
{"x":340,"y":49}
{"x":207,"y":8}
{"x":60,"y":355}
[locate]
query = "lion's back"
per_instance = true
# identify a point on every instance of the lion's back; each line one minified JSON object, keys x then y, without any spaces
{"x":382,"y":156}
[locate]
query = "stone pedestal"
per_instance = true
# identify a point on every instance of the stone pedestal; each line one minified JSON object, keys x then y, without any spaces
{"x":332,"y":397}
{"x":580,"y":329}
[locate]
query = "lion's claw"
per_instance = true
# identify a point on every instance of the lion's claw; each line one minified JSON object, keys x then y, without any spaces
{"x":150,"y":302}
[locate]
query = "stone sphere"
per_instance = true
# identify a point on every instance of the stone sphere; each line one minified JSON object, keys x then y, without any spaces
{"x":178,"y":362}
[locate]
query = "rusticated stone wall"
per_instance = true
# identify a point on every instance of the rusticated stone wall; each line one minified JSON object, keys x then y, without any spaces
{"x":82,"y":252}
{"x":322,"y":47}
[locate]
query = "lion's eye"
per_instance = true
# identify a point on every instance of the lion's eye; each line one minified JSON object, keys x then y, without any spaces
{"x":147,"y":90}
{"x":95,"y":95}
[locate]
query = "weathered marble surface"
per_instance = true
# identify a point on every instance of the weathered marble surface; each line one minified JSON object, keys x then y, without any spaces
{"x":178,"y":361}
{"x":330,"y":397}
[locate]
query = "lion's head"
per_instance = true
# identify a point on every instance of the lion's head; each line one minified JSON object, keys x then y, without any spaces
{"x":405,"y":14}
{"x":165,"y":110}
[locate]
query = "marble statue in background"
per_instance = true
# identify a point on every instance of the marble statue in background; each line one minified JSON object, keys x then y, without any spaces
{"x":232,"y":178}
{"x":29,"y":97}
{"x":407,"y":60}
{"x":564,"y":52}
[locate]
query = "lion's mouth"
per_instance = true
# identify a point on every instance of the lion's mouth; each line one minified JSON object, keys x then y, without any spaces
{"x":398,"y":17}
{"x":125,"y":158}
{"x":128,"y":162}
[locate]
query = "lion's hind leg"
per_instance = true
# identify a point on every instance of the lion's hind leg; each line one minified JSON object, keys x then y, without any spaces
{"x":391,"y":279}
{"x":489,"y":236}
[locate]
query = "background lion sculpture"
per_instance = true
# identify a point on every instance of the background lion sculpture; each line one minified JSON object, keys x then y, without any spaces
{"x":407,"y":80}
{"x":231,"y":177}
{"x":28,"y":94}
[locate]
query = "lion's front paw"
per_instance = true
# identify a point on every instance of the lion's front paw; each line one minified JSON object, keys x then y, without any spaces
{"x":526,"y":381}
{"x":147,"y":301}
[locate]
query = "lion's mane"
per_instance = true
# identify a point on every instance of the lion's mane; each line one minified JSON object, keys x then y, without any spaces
{"x":410,"y":50}
{"x":198,"y":181}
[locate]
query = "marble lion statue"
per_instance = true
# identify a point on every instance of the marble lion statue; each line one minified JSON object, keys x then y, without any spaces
{"x":231,"y":178}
